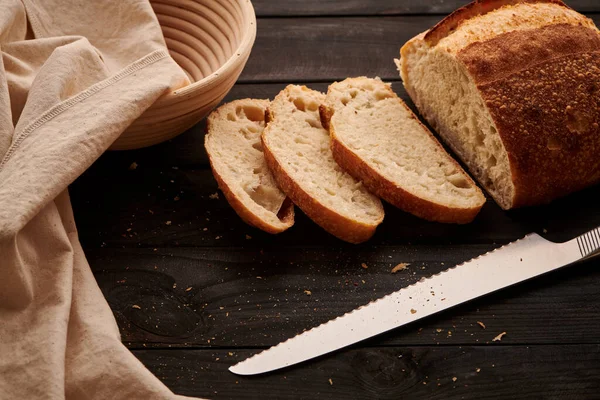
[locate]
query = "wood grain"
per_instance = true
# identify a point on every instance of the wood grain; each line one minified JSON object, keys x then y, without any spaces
{"x":270,"y":8}
{"x":435,"y":373}
{"x":346,"y":47}
{"x":326,"y":49}
{"x":158,"y":207}
{"x":257,"y":296}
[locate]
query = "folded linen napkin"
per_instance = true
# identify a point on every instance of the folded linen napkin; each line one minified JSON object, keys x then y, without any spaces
{"x":73,"y":75}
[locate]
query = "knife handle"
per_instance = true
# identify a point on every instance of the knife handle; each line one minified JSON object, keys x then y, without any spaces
{"x":589,"y":243}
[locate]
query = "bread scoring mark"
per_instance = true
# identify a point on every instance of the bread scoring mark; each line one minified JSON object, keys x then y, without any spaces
{"x":507,"y":53}
{"x":479,"y":7}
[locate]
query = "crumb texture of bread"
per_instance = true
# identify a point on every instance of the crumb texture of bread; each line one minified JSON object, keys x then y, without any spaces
{"x":298,"y":151}
{"x":448,"y":99}
{"x":379,"y":140}
{"x":500,"y":89}
{"x":234,"y":146}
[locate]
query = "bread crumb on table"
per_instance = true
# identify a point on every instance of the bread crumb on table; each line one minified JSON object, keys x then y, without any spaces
{"x":454,"y":379}
{"x":214,"y":196}
{"x":330,"y":381}
{"x":133,"y":166}
{"x":481,"y":324}
{"x":308,"y":292}
{"x":136,"y":307}
{"x":168,"y":223}
{"x":365,"y":266}
{"x":248,"y":237}
{"x":400,"y":267}
{"x":413,"y":311}
{"x":499,"y":337}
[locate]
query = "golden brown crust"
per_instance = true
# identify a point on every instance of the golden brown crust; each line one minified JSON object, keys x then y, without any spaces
{"x":390,"y":191}
{"x":325,"y":113}
{"x":542,"y":90}
{"x":286,"y":213}
{"x":510,"y":52}
{"x":478,"y":7}
{"x":341,"y":227}
{"x":548,"y":117}
{"x":539,"y":85}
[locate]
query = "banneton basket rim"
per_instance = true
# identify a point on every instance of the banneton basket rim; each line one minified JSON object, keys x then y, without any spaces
{"x":239,"y":54}
{"x":165,"y":119}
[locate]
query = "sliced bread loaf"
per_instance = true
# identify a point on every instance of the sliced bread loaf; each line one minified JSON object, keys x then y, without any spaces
{"x":513,"y":87}
{"x":234,"y":147}
{"x":378,"y":140}
{"x":297,"y":150}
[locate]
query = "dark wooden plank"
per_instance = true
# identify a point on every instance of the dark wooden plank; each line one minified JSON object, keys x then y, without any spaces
{"x":305,"y":49}
{"x":449,"y":373}
{"x":155,"y":207}
{"x":325,"y":49}
{"x":272,"y":8}
{"x":251,"y":297}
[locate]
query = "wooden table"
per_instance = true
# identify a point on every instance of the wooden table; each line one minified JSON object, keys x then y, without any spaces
{"x":195,"y":290}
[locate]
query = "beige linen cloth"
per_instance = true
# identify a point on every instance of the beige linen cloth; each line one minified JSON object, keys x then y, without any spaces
{"x":73,"y":75}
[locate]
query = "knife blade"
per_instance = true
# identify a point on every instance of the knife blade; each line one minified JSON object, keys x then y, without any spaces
{"x":503,"y":267}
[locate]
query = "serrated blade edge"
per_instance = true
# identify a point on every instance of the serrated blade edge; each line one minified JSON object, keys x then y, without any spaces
{"x":497,"y":269}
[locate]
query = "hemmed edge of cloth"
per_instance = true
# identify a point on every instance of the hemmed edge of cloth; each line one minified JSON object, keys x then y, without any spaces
{"x":70,"y":102}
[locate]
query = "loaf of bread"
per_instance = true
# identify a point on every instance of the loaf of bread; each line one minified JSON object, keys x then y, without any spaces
{"x":377,"y":139}
{"x":297,"y":149}
{"x":513,"y":87}
{"x":234,"y":147}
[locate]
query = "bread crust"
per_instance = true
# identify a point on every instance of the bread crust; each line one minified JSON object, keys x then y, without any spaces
{"x":542,"y":89}
{"x":390,"y":191}
{"x":338,"y":225}
{"x":478,"y":7}
{"x":498,"y":58}
{"x":285,"y":214}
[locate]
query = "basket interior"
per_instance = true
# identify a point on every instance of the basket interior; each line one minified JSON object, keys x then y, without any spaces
{"x":201,"y":34}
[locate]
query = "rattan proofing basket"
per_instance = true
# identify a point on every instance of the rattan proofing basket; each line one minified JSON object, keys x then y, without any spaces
{"x":211,"y":40}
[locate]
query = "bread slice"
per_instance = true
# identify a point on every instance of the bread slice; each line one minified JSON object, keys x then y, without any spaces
{"x":234,"y":147}
{"x":378,"y":139}
{"x":297,"y":151}
{"x":512,"y":86}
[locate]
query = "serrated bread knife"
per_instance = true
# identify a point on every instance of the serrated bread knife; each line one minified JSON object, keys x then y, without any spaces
{"x":508,"y":265}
